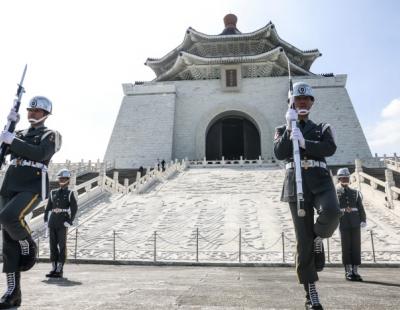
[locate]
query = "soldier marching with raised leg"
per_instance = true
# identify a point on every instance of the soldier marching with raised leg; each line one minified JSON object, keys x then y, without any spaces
{"x":316,"y":141}
{"x":25,"y":181}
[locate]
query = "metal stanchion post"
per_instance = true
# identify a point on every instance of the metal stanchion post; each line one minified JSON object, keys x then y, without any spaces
{"x":76,"y":243}
{"x":155,"y":246}
{"x":38,"y":247}
{"x":373,"y":247}
{"x":283,"y":246}
{"x":329,"y":256}
{"x":240,"y":245}
{"x":113,"y":244}
{"x":197,"y":244}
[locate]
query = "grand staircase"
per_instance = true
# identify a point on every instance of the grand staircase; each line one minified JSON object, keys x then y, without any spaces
{"x":211,"y":214}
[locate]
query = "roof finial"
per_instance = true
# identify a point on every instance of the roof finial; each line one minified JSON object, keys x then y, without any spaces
{"x":230,"y":21}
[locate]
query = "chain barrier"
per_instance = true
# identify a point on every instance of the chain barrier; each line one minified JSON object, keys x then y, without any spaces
{"x":264,"y":248}
{"x":219,"y":243}
{"x":102,"y":242}
{"x":172,"y":243}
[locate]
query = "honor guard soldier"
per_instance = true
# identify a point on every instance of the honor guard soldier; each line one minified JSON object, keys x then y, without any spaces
{"x":25,"y":181}
{"x":353,"y":219}
{"x":316,"y":141}
{"x":59,"y":215}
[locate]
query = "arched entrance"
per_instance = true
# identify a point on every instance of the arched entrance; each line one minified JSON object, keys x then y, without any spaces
{"x":232,"y":136}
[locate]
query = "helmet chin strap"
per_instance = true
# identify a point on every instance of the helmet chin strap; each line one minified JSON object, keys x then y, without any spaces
{"x":344,"y":183}
{"x":37,"y":121}
{"x":303,"y":111}
{"x":63,"y":183}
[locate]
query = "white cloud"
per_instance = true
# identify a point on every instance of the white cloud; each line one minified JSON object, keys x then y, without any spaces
{"x":384,"y":135}
{"x":392,"y":110}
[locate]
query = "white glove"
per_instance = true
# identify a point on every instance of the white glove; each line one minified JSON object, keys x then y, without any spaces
{"x":7,"y":137}
{"x":291,"y":115}
{"x":13,"y":116}
{"x":296,"y":134}
{"x":66,"y":224}
{"x":363,"y":224}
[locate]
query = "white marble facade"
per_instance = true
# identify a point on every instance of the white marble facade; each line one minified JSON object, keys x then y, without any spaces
{"x":170,"y":119}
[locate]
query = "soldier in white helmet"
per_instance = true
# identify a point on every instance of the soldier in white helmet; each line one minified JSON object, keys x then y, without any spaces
{"x":316,"y":141}
{"x":24,"y":184}
{"x":59,"y":215}
{"x":353,"y":219}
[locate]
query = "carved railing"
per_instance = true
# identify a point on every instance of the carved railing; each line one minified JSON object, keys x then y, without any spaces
{"x":392,"y":193}
{"x":392,"y":163}
{"x":228,"y":163}
{"x":79,"y":168}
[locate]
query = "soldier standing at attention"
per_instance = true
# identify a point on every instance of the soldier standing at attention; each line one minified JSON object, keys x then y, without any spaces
{"x":59,"y":215}
{"x":25,"y":181}
{"x":353,"y":219}
{"x":316,"y":141}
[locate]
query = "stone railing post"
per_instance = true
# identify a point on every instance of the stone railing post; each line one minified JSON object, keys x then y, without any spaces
{"x":72,"y":181}
{"x":259,"y":160}
{"x":241,"y":161}
{"x":115,"y":178}
{"x":126,"y":184}
{"x":204,"y":162}
{"x":389,"y":182}
{"x":223,"y":161}
{"x":103,"y":179}
{"x":357,"y":171}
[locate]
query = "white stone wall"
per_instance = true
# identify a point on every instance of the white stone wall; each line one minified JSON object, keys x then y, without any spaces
{"x":143,"y":130}
{"x":170,"y":119}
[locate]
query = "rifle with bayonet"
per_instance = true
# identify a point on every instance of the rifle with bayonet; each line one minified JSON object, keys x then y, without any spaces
{"x":296,"y":153}
{"x":10,"y":126}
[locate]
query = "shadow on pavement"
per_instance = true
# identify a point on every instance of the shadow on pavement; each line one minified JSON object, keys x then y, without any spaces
{"x":382,"y":283}
{"x":61,"y":282}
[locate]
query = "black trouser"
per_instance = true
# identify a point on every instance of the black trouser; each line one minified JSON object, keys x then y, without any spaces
{"x":58,"y":244}
{"x":14,"y":228}
{"x":351,"y":246}
{"x":306,"y":230}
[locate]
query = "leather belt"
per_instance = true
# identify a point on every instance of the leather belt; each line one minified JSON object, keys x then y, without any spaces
{"x":348,"y":210}
{"x":29,"y":163}
{"x":307,"y":164}
{"x":58,"y":210}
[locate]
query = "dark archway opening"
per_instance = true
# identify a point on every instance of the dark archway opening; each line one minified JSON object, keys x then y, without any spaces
{"x":232,"y":137}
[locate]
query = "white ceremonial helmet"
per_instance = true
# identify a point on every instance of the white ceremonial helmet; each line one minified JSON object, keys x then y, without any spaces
{"x":63,"y":173}
{"x":343,"y":172}
{"x":302,"y":89}
{"x":40,"y":102}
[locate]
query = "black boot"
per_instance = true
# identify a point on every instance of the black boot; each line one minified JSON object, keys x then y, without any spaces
{"x":319,"y":254}
{"x":53,"y":270}
{"x":59,"y":271}
{"x":349,"y":273}
{"x":12,"y":298}
{"x":356,"y":275}
{"x":28,"y":254}
{"x":312,"y":298}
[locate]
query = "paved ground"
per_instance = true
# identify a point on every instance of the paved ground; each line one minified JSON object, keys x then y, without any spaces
{"x":172,"y":287}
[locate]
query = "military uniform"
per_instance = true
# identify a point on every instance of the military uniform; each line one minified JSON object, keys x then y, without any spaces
{"x":61,"y":208}
{"x":353,"y":215}
{"x":31,"y":151}
{"x":318,"y":188}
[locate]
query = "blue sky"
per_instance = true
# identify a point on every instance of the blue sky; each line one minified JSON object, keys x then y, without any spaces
{"x":80,"y":52}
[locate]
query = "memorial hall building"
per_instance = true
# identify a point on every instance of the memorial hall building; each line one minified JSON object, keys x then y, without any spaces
{"x":217,"y":96}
